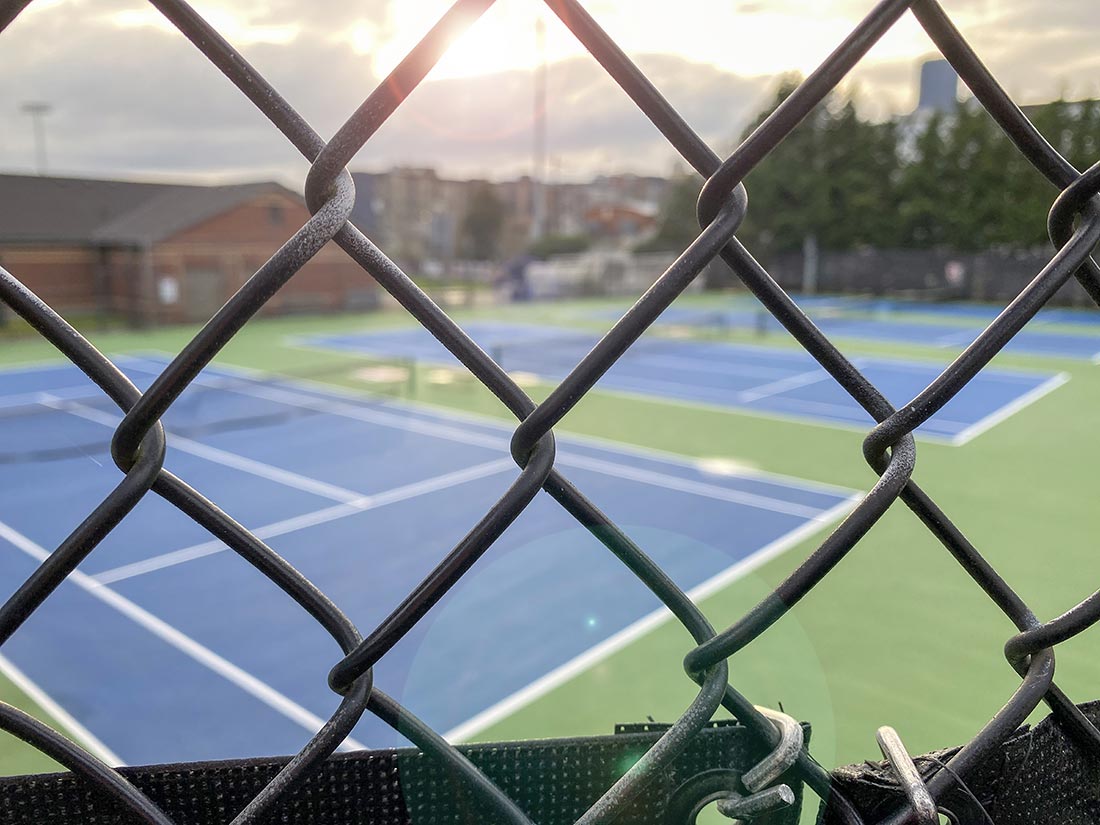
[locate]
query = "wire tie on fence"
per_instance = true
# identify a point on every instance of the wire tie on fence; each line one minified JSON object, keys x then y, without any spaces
{"x":905,"y":769}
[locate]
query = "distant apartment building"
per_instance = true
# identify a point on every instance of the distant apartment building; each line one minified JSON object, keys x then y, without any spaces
{"x":939,"y":86}
{"x":937,"y":96}
{"x":161,"y":253}
{"x":416,"y":217}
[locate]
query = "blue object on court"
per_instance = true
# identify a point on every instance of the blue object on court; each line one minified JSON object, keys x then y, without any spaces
{"x":166,"y":646}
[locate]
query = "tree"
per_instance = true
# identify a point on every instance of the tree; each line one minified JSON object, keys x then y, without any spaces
{"x":831,"y":179}
{"x":482,"y":223}
{"x":920,"y":187}
{"x":549,"y":245}
{"x":787,"y":191}
{"x":951,"y":180}
{"x":968,"y":187}
{"x":781,"y":197}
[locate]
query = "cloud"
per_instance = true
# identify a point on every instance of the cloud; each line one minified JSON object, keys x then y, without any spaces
{"x":133,"y":97}
{"x":142,"y":100}
{"x":484,"y":124}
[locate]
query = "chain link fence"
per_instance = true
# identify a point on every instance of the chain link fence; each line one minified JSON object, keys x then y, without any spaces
{"x":907,"y":790}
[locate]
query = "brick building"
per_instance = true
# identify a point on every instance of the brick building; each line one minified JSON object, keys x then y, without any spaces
{"x":162,"y":253}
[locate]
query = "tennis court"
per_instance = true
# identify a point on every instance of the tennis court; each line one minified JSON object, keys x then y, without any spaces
{"x":767,"y":381}
{"x":165,"y":646}
{"x":945,"y":327}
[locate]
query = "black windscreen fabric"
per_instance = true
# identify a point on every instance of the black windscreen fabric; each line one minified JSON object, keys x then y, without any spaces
{"x":554,"y":780}
{"x":1038,"y":777}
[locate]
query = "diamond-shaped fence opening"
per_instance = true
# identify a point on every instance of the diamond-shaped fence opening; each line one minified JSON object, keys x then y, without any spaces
{"x":915,"y":788}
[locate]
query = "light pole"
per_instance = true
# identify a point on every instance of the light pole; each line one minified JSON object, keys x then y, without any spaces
{"x":37,"y":111}
{"x":538,"y":166}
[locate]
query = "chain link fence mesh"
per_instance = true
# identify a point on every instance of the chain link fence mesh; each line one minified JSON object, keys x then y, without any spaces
{"x":908,"y":791}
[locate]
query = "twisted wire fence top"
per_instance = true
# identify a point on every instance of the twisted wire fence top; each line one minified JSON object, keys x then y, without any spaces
{"x":139,"y":444}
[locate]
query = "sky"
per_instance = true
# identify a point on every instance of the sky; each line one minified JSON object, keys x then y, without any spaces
{"x":131,"y":97}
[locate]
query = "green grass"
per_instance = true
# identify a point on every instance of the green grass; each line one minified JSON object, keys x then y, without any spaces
{"x":897,"y":634}
{"x":16,"y":757}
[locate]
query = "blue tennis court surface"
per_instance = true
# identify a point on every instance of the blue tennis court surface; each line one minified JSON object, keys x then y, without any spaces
{"x":961,"y":324}
{"x":166,"y":646}
{"x":763,"y":380}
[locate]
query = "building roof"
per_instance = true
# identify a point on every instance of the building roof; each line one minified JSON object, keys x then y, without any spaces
{"x":35,"y":209}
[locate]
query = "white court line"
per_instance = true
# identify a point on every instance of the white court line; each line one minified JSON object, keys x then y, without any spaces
{"x":451,"y":415}
{"x":339,"y":511}
{"x":604,"y":443}
{"x":698,"y":488}
{"x":290,"y":525}
{"x":334,"y":406}
{"x":483,"y":440}
{"x":65,"y":365}
{"x":638,"y":383}
{"x":808,"y":420}
{"x":711,"y":366}
{"x":801,"y":379}
{"x":956,"y":339}
{"x":1010,"y":409}
{"x":598,"y":442}
{"x":780,"y":353}
{"x":38,"y":397}
{"x":88,"y":740}
{"x":1009,"y":376}
{"x":799,"y":403}
{"x":710,"y":348}
{"x":46,"y":364}
{"x":209,"y":548}
{"x":577,"y":665}
{"x":223,"y":457}
{"x":707,"y":365}
{"x":834,"y":409}
{"x":182,"y":642}
{"x":477,"y":439}
{"x":446,"y":413}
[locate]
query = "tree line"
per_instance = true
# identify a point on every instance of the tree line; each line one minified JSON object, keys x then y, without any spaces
{"x":936,"y":180}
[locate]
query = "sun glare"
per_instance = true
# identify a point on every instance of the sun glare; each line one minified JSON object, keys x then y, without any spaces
{"x":502,"y":40}
{"x":749,"y":44}
{"x":491,"y":45}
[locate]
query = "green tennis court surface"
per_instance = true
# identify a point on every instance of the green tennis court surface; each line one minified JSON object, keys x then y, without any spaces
{"x":901,"y":636}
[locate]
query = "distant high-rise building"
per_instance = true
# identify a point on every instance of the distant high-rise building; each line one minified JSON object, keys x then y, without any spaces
{"x":939,"y":87}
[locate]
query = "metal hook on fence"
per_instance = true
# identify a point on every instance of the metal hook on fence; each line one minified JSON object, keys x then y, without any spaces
{"x":905,"y":769}
{"x":723,"y":786}
{"x":741,"y":808}
{"x":720,"y":786}
{"x":782,"y":757}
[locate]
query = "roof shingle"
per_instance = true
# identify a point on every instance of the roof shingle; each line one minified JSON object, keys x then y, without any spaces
{"x":37,"y":209}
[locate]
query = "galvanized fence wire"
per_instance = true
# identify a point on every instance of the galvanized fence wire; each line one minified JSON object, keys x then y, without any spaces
{"x":139,"y":444}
